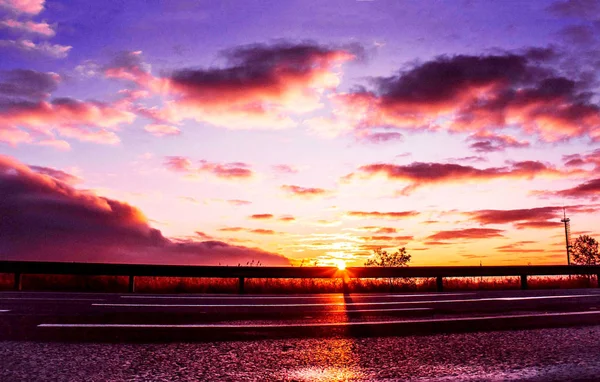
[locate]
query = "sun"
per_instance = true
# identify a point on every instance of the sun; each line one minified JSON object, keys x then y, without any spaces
{"x":340,"y":264}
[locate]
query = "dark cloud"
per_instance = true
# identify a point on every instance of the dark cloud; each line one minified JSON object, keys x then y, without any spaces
{"x":44,"y":218}
{"x":479,"y":93}
{"x":258,"y":86}
{"x":586,"y":190}
{"x":28,"y":84}
{"x":576,"y":8}
{"x":419,"y":173}
{"x":487,"y":143}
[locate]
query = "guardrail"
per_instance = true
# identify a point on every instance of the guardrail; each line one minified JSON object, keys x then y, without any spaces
{"x":19,"y":268}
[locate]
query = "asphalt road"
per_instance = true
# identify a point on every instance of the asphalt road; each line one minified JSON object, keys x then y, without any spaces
{"x":89,"y":317}
{"x":484,"y":336}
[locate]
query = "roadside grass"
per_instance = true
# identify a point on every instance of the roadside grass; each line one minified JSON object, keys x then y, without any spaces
{"x":119,"y":284}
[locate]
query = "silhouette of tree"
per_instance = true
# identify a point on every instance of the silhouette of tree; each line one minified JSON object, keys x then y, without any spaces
{"x":382,"y":258}
{"x":585,"y":251}
{"x":400,"y":258}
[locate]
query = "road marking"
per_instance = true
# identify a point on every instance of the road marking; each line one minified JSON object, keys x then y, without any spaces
{"x":244,"y":305}
{"x":315,"y":325}
{"x":4,"y":311}
{"x":48,"y":299}
{"x":341,"y":296}
{"x":335,"y":303}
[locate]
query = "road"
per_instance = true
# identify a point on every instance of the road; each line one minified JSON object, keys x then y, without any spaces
{"x":501,"y":335}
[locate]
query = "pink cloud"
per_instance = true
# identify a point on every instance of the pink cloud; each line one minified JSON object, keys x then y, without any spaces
{"x":32,"y":7}
{"x":232,"y":170}
{"x":41,"y":28}
{"x":161,"y":130}
{"x":304,"y":192}
{"x":259,"y":87}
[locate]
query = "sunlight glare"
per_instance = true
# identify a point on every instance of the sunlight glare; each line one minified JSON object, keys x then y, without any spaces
{"x":341,"y":264}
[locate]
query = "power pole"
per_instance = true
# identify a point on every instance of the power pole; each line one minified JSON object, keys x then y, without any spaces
{"x":567,"y":223}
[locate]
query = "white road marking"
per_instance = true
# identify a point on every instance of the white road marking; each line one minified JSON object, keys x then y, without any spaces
{"x":336,"y":303}
{"x":4,"y":310}
{"x":341,"y":296}
{"x":315,"y":325}
{"x":48,"y":299}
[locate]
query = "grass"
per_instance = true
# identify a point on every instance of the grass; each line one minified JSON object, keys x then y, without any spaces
{"x":118,"y":284}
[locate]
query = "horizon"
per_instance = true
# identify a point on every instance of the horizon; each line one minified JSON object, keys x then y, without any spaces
{"x":289,"y":133}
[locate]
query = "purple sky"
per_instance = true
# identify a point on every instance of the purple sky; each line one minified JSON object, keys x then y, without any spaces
{"x":283,"y":131}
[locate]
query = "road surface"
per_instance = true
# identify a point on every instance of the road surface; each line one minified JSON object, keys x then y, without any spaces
{"x":501,"y":335}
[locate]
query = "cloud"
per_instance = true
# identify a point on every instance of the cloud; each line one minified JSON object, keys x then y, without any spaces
{"x":305,"y":192}
{"x":44,"y":48}
{"x":542,"y":224}
{"x":379,"y":230}
{"x":487,"y":143}
{"x":285,"y":169}
{"x":258,"y":87}
{"x":59,"y":175}
{"x":238,"y":202}
{"x":203,"y":236}
{"x":258,"y":231}
{"x":376,"y":138}
{"x":387,"y":238}
{"x":578,"y":160}
{"x":87,"y":121}
{"x":49,"y":220}
{"x":232,"y":170}
{"x":586,"y":190}
{"x":467,"y":233}
{"x":575,"y":8}
{"x":28,"y":84}
{"x":41,"y":28}
{"x":516,"y":215}
{"x":287,"y":219}
{"x":32,"y":7}
{"x":465,"y":93}
{"x":160,"y":130}
{"x":535,"y":218}
{"x":261,"y":216}
{"x":419,"y":173}
{"x":382,"y":215}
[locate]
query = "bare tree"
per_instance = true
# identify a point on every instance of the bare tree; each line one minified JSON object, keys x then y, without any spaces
{"x":382,"y":258}
{"x":400,"y":258}
{"x":585,"y":251}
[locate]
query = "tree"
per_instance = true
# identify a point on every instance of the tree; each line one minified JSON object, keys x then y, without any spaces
{"x":585,"y":251}
{"x":382,"y":258}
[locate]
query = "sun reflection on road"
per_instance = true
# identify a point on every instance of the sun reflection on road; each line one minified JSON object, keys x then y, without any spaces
{"x":332,"y":359}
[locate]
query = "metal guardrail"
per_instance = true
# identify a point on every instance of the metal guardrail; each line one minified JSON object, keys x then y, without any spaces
{"x":19,"y":268}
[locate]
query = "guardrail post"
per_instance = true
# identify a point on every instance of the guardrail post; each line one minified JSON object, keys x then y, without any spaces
{"x":523,"y":282}
{"x":241,"y":285}
{"x":439,"y":281}
{"x":131,"y":288}
{"x":17,"y":281}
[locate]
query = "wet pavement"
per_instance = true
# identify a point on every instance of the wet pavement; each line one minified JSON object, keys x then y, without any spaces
{"x":531,"y":355}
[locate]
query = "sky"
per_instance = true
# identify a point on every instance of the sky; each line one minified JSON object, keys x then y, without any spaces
{"x":298,"y":132}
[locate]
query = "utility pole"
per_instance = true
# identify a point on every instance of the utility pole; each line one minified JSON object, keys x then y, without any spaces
{"x":567,"y":223}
